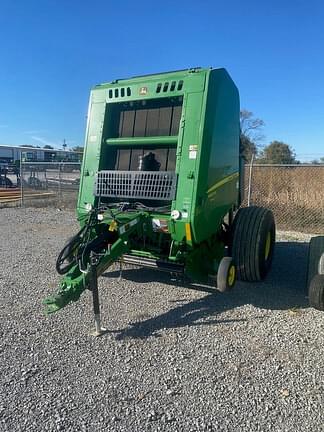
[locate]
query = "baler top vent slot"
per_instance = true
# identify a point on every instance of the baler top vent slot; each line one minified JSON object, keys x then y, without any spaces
{"x":119,"y":92}
{"x":165,"y":86}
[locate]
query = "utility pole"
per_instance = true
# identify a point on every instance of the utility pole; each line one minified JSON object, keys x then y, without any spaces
{"x":64,"y":144}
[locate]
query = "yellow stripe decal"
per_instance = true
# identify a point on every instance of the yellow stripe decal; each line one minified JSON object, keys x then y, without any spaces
{"x":222,"y":182}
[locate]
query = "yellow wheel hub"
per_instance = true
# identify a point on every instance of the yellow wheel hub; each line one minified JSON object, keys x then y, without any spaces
{"x":231,"y":276}
{"x":267,"y":246}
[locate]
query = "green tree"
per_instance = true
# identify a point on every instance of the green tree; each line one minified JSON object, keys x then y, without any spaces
{"x":247,"y":148}
{"x":251,"y":134}
{"x":47,"y":146}
{"x":278,"y":152}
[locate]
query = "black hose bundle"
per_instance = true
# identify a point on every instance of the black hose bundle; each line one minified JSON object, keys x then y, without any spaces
{"x":67,"y":258}
{"x":77,"y":249}
{"x":75,"y":246}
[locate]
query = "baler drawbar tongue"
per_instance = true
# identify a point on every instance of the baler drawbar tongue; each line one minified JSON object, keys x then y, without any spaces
{"x":89,"y":257}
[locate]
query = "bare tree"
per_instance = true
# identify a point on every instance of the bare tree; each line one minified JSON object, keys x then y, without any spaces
{"x":251,"y":127}
{"x":251,"y":134}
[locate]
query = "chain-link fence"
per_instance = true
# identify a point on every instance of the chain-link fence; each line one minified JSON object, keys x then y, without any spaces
{"x":49,"y":183}
{"x":295,"y":194}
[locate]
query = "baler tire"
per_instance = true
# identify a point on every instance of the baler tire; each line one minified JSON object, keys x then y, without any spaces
{"x":316,"y":292}
{"x":252,"y":243}
{"x":226,"y":275}
{"x":315,"y":258}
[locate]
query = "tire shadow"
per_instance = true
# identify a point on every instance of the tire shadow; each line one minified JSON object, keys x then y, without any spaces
{"x":284,"y":288}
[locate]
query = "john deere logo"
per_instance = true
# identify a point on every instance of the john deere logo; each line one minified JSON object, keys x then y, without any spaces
{"x":143,"y":91}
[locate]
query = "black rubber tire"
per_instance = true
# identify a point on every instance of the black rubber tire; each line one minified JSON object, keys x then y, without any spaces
{"x":316,"y":292}
{"x":315,"y":260}
{"x":223,"y":280}
{"x":251,"y":229}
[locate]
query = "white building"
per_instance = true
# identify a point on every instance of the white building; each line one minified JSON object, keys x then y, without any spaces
{"x":11,"y":154}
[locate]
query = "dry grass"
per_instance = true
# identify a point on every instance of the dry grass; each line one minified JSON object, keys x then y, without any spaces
{"x":294,"y":194}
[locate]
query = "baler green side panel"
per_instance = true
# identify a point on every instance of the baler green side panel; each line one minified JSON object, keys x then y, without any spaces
{"x":217,"y":185}
{"x":187,"y":167}
{"x":91,"y":158}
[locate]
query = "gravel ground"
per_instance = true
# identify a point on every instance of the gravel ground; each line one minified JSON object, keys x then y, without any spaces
{"x":174,"y":359}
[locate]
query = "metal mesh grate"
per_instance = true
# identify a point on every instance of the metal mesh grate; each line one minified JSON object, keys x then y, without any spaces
{"x":158,"y":185}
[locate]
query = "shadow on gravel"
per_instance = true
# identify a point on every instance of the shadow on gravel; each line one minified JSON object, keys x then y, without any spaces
{"x":284,"y":288}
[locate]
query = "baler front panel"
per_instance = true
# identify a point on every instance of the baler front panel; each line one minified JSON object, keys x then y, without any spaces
{"x":182,"y":123}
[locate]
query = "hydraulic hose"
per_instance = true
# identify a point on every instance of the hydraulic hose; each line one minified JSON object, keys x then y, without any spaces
{"x":67,"y":257}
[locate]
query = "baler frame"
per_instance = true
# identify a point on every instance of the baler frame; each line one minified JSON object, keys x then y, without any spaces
{"x":187,"y":124}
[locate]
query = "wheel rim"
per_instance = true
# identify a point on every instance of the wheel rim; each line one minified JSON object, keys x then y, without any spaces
{"x":267,"y":246}
{"x":231,"y":276}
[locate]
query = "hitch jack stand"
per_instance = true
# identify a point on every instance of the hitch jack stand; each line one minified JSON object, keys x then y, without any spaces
{"x":93,"y":285}
{"x":120,"y":269}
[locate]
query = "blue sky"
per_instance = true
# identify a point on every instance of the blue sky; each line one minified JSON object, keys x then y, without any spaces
{"x":53,"y":52}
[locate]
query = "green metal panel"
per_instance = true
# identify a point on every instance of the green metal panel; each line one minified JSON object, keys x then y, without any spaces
{"x":143,"y":140}
{"x":217,"y":187}
{"x":90,"y":162}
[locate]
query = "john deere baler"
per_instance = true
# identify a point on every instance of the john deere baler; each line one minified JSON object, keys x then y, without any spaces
{"x":161,"y":183}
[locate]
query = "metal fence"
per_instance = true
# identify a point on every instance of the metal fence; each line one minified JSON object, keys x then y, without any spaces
{"x":42,"y":184}
{"x":50,"y":183}
{"x":295,"y":193}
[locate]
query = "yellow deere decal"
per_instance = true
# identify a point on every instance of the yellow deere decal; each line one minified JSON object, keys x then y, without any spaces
{"x":222,"y":182}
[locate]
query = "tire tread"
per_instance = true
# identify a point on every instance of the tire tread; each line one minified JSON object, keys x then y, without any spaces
{"x":316,"y":292}
{"x":250,"y":226}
